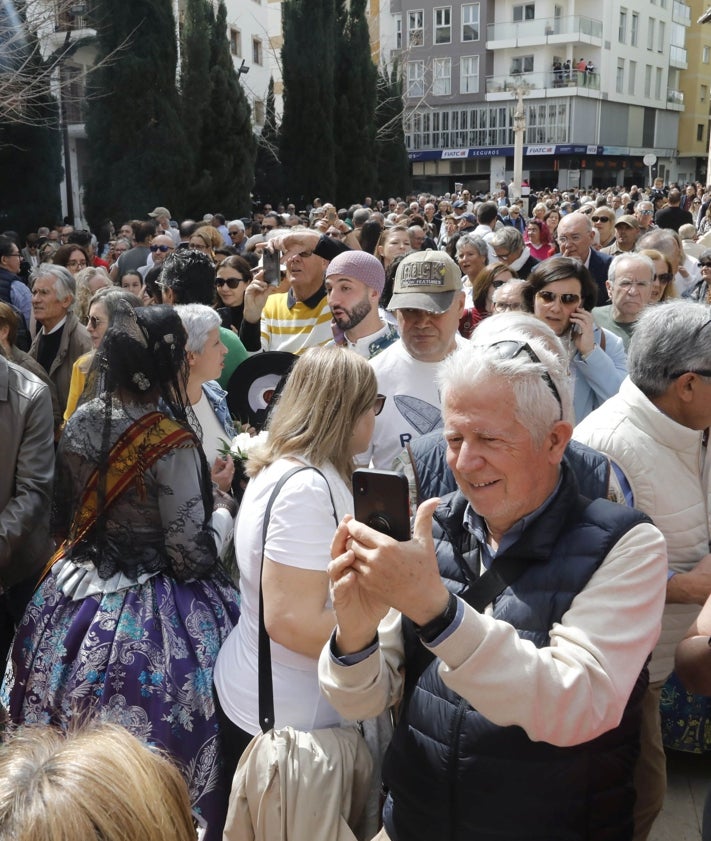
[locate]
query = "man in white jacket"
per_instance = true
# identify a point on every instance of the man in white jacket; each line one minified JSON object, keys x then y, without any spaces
{"x":655,"y":433}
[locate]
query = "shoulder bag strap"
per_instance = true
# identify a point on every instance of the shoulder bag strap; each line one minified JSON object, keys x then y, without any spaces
{"x":265,"y":684}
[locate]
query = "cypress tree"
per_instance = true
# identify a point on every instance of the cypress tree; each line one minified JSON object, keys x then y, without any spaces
{"x":31,"y":153}
{"x":138,"y":153}
{"x":355,"y":108}
{"x":392,"y":162}
{"x":307,"y":127}
{"x":269,"y":183}
{"x":195,"y":101}
{"x":228,"y":140}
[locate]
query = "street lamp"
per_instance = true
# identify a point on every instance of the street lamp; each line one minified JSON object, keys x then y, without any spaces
{"x":519,"y":126}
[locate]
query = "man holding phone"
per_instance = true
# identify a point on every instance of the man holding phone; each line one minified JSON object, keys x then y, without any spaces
{"x":520,"y":714}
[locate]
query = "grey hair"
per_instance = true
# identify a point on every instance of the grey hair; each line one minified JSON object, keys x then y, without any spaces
{"x":641,"y":259}
{"x":536,"y":405}
{"x":198,"y":320}
{"x":64,"y":283}
{"x":669,"y":339}
{"x":361,"y":215}
{"x":110,"y":296}
{"x":507,"y":237}
{"x":238,"y":223}
{"x":475,"y":242}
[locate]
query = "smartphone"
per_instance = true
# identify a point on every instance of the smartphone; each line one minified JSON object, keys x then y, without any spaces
{"x":381,"y":501}
{"x":271,"y":266}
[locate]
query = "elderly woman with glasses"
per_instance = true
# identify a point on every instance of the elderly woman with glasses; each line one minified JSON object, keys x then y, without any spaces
{"x":562,"y":293}
{"x":702,"y":291}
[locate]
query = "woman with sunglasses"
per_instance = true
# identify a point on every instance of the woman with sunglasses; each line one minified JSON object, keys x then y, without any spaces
{"x":702,"y":291}
{"x":323,"y":418}
{"x":233,"y":275}
{"x":562,"y":293}
{"x":663,"y":288}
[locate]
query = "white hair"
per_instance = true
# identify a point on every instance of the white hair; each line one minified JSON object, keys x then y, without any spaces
{"x":198,"y":320}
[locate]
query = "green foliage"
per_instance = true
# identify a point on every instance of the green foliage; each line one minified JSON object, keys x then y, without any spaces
{"x":392,"y":163}
{"x":138,"y":152}
{"x":269,"y":181}
{"x":308,"y":70}
{"x":355,"y":108}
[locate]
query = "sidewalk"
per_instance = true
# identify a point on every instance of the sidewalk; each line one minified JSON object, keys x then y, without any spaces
{"x":688,"y":782}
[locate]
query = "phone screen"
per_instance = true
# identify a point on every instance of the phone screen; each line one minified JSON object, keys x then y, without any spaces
{"x":271,"y":266}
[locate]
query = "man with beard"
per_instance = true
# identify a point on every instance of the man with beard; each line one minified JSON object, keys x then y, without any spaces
{"x":354,"y":284}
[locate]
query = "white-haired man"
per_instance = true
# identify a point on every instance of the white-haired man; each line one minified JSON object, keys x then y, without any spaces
{"x":521,"y":684}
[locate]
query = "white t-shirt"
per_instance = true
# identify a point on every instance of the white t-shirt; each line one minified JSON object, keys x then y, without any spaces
{"x":301,"y":528}
{"x":412,"y":408}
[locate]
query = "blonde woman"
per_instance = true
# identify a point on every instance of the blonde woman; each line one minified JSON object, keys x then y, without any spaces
{"x":89,"y":281}
{"x":97,"y":781}
{"x":324,"y":416}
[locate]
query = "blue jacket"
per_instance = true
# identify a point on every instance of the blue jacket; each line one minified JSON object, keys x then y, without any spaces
{"x":217,"y":397}
{"x":454,"y":775}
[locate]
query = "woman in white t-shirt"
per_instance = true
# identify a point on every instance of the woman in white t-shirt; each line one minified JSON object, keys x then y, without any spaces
{"x":210,"y":417}
{"x":324,"y":416}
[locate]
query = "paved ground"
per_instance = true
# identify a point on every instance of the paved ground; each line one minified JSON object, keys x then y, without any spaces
{"x":689,"y":780}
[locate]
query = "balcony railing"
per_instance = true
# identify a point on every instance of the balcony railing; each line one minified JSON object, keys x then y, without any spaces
{"x":677,"y":57}
{"x":681,"y":13}
{"x":675,"y":97}
{"x":542,"y":28}
{"x":543,"y":81}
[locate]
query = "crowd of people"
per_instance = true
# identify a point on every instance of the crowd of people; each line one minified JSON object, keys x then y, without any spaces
{"x":538,"y":370}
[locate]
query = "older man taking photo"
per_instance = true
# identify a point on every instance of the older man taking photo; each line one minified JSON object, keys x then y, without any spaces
{"x":522,"y":612}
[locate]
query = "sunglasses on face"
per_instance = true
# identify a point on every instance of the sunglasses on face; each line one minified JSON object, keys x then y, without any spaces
{"x":566,"y":298}
{"x":161,"y":248}
{"x":664,"y":277}
{"x":232,"y":282}
{"x":601,"y":219}
{"x":704,"y":264}
{"x":94,"y":322}
{"x":379,"y":403}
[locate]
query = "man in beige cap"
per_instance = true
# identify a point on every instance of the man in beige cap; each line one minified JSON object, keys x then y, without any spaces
{"x":626,"y":235}
{"x":428,"y":301}
{"x":162,"y":217}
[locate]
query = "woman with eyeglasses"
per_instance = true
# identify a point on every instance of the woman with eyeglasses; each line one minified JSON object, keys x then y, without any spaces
{"x":206,"y":239}
{"x":562,"y":293}
{"x":233,"y":275}
{"x":72,"y":257}
{"x":323,"y":418}
{"x":102,"y":307}
{"x":663,"y":288}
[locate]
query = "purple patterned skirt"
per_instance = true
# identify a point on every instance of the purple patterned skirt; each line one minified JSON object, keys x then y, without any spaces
{"x":142,"y":657}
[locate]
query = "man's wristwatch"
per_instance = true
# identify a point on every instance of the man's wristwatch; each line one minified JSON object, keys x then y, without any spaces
{"x":429,"y":632}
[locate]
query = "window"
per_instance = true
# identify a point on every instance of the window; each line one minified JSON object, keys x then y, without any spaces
{"x":634,"y":29}
{"x":525,"y":12}
{"x":620,"y":77}
{"x":622,"y":30}
{"x":259,"y":112}
{"x":443,"y":25}
{"x":700,"y":132}
{"x":706,"y":55}
{"x":650,"y":34}
{"x":704,"y":95}
{"x":415,"y":28}
{"x":442,"y":77}
{"x":256,"y":50}
{"x":236,"y":42}
{"x":398,"y":32}
{"x":631,"y":78}
{"x":415,"y":78}
{"x":658,"y":83}
{"x":470,"y":22}
{"x":522,"y":64}
{"x":469,"y":74}
{"x":648,"y":80}
{"x":660,"y":37}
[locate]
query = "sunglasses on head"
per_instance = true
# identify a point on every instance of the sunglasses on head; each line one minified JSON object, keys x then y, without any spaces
{"x":232,"y":282}
{"x":161,"y":248}
{"x":567,"y":298}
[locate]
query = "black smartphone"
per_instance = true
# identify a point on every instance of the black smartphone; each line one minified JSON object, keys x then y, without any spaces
{"x":271,"y":266}
{"x":381,"y":501}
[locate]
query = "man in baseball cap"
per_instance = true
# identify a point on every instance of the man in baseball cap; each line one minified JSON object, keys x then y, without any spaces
{"x":428,"y":301}
{"x":354,"y":284}
{"x":162,"y":217}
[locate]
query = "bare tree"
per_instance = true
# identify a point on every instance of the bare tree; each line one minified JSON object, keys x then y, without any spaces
{"x":38,"y":42}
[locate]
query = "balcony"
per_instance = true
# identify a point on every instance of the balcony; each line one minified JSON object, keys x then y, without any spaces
{"x":573,"y":29}
{"x":681,"y":13}
{"x":549,"y":83}
{"x":675,"y":99}
{"x":677,"y":57}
